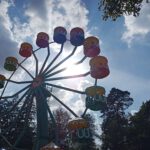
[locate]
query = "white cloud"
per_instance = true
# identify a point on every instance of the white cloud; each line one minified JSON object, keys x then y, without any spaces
{"x":4,"y":17}
{"x":79,"y":106}
{"x":8,"y":45}
{"x":59,"y":13}
{"x":40,"y":16}
{"x":44,"y":16}
{"x":137,"y":27}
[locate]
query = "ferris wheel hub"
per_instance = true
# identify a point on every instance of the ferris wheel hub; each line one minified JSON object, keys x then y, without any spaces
{"x":37,"y":81}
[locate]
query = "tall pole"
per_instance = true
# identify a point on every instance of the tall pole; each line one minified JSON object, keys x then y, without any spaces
{"x":42,"y":120}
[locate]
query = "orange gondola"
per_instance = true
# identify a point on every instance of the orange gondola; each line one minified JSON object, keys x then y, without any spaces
{"x":91,"y":47}
{"x":77,"y":123}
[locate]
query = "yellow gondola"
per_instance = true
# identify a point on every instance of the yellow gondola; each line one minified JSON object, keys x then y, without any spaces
{"x":95,"y":90}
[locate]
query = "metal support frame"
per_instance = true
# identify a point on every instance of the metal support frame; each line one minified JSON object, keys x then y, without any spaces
{"x":40,"y":93}
{"x":42,"y":119}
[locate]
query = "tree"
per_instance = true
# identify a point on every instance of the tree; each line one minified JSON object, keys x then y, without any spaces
{"x":116,"y":8}
{"x":61,"y":131}
{"x":58,"y":129}
{"x":14,"y":123}
{"x":139,"y":129}
{"x":115,"y":122}
{"x":85,"y":142}
{"x":90,"y":143}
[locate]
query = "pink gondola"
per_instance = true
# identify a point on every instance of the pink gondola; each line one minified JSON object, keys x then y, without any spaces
{"x":99,"y":67}
{"x":42,"y":40}
{"x":91,"y":46}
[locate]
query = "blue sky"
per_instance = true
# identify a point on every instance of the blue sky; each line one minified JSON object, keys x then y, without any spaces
{"x":124,"y":42}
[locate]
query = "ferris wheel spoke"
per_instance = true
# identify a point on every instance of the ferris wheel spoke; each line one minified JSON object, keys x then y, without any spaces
{"x":17,"y":93}
{"x":26,"y":71}
{"x":19,"y":64}
{"x":48,"y":54}
{"x":65,"y":88}
{"x":19,"y":82}
{"x":51,"y":115}
{"x":55,"y":58}
{"x":9,"y":79}
{"x":6,"y":85}
{"x":84,"y":112}
{"x":61,"y":62}
{"x":57,"y":99}
{"x":18,"y":114}
{"x":5,"y":139}
{"x":95,"y":82}
{"x":9,"y":144}
{"x":15,"y":105}
{"x":27,"y":57}
{"x":54,"y":123}
{"x":68,"y":77}
{"x":36,"y":61}
{"x":26,"y":121}
{"x":80,"y":61}
{"x":56,"y":72}
{"x":65,"y":68}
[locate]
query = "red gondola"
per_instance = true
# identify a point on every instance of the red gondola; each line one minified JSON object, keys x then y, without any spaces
{"x":25,"y":50}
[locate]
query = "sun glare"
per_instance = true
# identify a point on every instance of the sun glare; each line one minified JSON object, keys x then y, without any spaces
{"x":72,"y":69}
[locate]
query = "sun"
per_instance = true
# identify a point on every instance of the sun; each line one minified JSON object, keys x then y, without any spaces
{"x":73,"y":69}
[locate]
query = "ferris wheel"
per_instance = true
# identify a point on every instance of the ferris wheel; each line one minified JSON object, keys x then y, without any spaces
{"x":37,"y":87}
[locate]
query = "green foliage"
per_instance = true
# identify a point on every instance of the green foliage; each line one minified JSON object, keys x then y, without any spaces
{"x":115,"y":122}
{"x":14,"y":123}
{"x":139,"y":129}
{"x":58,"y":129}
{"x":90,"y":143}
{"x":115,"y":8}
{"x":86,"y":143}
